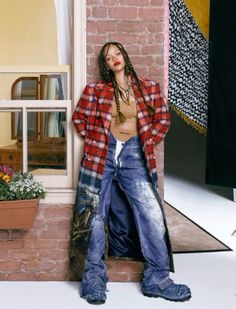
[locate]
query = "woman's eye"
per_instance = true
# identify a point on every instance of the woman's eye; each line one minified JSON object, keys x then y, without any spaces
{"x":107,"y":59}
{"x":118,"y":53}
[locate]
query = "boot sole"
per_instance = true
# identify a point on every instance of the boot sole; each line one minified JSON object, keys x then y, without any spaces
{"x":184,"y":298}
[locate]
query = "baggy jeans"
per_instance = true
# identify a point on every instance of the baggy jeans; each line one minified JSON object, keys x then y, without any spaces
{"x":129,"y":169}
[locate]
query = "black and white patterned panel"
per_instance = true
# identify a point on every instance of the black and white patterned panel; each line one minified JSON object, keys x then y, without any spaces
{"x":188,"y":65}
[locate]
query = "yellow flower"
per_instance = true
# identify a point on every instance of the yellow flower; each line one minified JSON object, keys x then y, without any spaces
{"x":6,"y":178}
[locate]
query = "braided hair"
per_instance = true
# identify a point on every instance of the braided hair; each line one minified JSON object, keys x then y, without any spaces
{"x":108,"y":76}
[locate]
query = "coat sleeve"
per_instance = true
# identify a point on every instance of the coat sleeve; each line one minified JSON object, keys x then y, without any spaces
{"x":161,"y":117}
{"x":84,"y":109}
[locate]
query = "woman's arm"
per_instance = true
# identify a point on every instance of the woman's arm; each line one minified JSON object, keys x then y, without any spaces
{"x":161,"y":117}
{"x":84,"y":109}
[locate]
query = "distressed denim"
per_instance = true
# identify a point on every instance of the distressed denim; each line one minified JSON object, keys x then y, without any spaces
{"x":129,"y":169}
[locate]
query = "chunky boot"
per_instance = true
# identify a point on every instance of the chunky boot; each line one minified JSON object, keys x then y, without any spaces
{"x":168,"y":290}
{"x":94,"y":291}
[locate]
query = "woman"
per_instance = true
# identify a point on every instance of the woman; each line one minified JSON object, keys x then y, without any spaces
{"x":120,"y":119}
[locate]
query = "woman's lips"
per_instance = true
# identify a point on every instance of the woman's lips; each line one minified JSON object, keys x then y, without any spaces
{"x":116,"y":63}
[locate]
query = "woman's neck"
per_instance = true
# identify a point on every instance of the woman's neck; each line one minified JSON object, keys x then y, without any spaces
{"x":121,"y":78}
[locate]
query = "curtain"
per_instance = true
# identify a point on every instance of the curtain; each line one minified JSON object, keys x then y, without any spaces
{"x":221,"y":133}
{"x":64,"y":30}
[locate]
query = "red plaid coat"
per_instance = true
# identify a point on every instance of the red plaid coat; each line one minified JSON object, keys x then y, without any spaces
{"x":92,"y":120}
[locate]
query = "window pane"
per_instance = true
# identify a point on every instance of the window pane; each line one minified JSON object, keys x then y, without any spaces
{"x":34,"y":85}
{"x":47,"y":154}
{"x":10,"y":148}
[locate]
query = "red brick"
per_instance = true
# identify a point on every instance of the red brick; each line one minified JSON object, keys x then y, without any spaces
{"x":156,"y":71}
{"x":40,"y":243}
{"x":145,"y":3}
{"x":150,"y":49}
{"x":121,"y":277}
{"x":22,"y":254}
{"x":57,"y":212}
{"x":157,"y":2}
{"x":99,"y":12}
{"x":93,"y":2}
{"x":23,"y":276}
{"x":62,"y":267}
{"x":88,"y":12}
{"x":96,"y":39}
{"x":4,"y":235}
{"x":122,"y":12}
{"x":63,"y":244}
{"x":104,"y":26}
{"x":132,"y":26}
{"x":4,"y":255}
{"x":54,"y":234}
{"x":53,"y":254}
{"x":52,"y":276}
{"x":3,"y":276}
{"x":109,"y":2}
{"x":31,"y":234}
{"x":12,"y":244}
{"x":10,"y":266}
{"x":39,"y":223}
{"x":31,"y":265}
{"x":123,"y":38}
{"x":133,"y":50}
{"x":155,"y":27}
{"x":91,"y":26}
{"x":152,"y":14}
{"x":46,"y":265}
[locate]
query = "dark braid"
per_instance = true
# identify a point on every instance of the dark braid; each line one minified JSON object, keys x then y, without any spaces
{"x":108,"y":76}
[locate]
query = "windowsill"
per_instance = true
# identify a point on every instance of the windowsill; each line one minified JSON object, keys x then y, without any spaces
{"x":59,"y":196}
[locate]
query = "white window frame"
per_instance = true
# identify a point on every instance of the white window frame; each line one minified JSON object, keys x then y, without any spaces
{"x":65,"y":189}
{"x":25,"y":106}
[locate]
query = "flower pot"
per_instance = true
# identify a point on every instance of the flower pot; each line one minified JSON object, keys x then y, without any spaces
{"x":17,"y":214}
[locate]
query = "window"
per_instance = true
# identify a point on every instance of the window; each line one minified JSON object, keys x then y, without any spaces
{"x":35,"y":122}
{"x":26,"y":122}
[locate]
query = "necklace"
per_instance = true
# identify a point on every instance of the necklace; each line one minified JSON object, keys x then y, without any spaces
{"x":126,"y":93}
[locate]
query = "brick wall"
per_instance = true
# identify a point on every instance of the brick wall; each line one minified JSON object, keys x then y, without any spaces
{"x":42,"y":252}
{"x":139,"y":26}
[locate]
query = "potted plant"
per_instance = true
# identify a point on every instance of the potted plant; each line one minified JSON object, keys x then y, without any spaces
{"x":19,"y":196}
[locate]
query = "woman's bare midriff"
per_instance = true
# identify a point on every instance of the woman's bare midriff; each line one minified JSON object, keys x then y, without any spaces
{"x":124,"y":131}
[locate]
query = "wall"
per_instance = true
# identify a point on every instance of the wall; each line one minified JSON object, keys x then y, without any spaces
{"x":27,"y":37}
{"x":139,"y":26}
{"x":42,"y":252}
{"x":27,"y":32}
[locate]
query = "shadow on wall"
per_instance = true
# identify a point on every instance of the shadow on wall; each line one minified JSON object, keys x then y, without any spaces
{"x":185,"y":151}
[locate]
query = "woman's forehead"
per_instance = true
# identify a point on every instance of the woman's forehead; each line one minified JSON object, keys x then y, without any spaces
{"x":110,"y":49}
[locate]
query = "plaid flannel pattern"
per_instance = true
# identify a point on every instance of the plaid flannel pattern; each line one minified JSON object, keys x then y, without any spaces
{"x":92,"y":120}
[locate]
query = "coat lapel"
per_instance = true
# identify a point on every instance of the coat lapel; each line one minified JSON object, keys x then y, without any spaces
{"x":105,"y":106}
{"x":142,"y":113}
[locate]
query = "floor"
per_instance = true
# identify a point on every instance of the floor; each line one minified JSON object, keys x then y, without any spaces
{"x":211,"y":276}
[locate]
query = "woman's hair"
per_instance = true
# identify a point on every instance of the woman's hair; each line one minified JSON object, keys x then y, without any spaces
{"x":108,"y":76}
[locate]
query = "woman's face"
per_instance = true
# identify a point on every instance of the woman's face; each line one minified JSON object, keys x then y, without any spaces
{"x":114,"y":59}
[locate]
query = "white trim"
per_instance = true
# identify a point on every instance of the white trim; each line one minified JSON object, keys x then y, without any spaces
{"x":79,"y":71}
{"x":54,"y":180}
{"x":8,"y":69}
{"x":59,"y":196}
